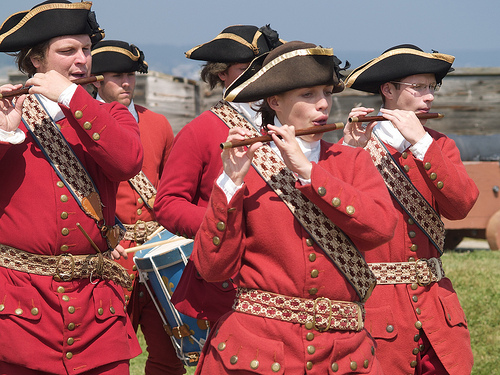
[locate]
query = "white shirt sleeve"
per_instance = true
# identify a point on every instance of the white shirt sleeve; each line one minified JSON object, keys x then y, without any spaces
{"x":228,"y":186}
{"x":15,"y":137}
{"x":67,"y":95}
{"x":420,"y":148}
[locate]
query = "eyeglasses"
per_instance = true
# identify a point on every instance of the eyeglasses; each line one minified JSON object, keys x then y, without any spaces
{"x":421,"y":87}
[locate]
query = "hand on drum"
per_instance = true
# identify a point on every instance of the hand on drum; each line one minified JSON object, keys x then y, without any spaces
{"x":118,"y":252}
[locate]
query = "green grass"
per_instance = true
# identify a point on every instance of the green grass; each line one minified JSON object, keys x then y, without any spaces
{"x":476,"y":278}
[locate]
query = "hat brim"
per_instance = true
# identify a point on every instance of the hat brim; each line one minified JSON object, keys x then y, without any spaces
{"x":397,"y":64}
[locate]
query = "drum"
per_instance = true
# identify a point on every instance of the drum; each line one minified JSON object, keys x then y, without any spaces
{"x":162,"y":263}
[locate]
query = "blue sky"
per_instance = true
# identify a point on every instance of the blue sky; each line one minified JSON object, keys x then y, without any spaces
{"x":468,"y":30}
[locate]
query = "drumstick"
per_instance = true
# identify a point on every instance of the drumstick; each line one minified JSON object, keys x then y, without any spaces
{"x":155,"y":233}
{"x":152,"y":244}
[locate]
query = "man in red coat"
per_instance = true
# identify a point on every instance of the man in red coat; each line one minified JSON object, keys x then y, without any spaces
{"x":118,"y":62}
{"x":414,"y":313}
{"x":62,"y":309}
{"x":195,"y":162}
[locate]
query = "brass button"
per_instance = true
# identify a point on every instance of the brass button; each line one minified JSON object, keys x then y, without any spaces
{"x":234,"y":359}
{"x":221,"y":226}
{"x":350,"y":210}
{"x":275,"y":367}
{"x":411,"y":259}
{"x":140,"y":201}
{"x":321,"y":191}
{"x":335,"y":367}
{"x":311,"y":349}
{"x":132,"y":276}
{"x":2,"y":307}
{"x":71,"y":309}
{"x":410,"y":221}
{"x":413,"y":364}
{"x":440,"y":185}
{"x":78,"y":114}
{"x":70,"y":341}
{"x":127,"y":298}
{"x":389,"y":328}
{"x":404,"y":155}
{"x":112,"y":310}
{"x":139,"y":211}
{"x":406,"y":168}
{"x":221,"y":346}
{"x":96,"y":136}
{"x":433,"y":176}
{"x":100,"y":311}
{"x":353,"y":365}
{"x":34,"y":311}
{"x":412,"y":234}
{"x":309,"y":365}
{"x":254,"y":365}
{"x":60,"y":289}
{"x":418,"y":311}
{"x":366,"y":363}
{"x":427,"y":166}
{"x":414,"y":247}
{"x":414,"y":286}
{"x":64,"y":198}
{"x":416,"y":337}
{"x":87,"y":125}
{"x":231,"y":209}
{"x":449,"y":317}
{"x":64,"y":248}
{"x":414,"y":298}
{"x":64,"y":215}
{"x":225,"y":285}
{"x":69,"y":355}
{"x":65,"y":231}
{"x":373,"y":350}
{"x":314,"y":273}
{"x":336,"y":202}
{"x":65,"y":298}
{"x":418,"y":324}
{"x":309,"y":242}
{"x":60,"y":184}
{"x":18,"y":311}
{"x":421,"y":347}
{"x":309,"y":325}
{"x":310,"y":336}
{"x":312,"y":257}
{"x":71,"y":326}
{"x":216,"y":241}
{"x":415,"y":351}
{"x":134,"y":268}
{"x":313,"y":290}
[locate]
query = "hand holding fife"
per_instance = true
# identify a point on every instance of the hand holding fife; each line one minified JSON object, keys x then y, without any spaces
{"x":236,"y":161}
{"x":50,"y":84}
{"x":355,"y":133}
{"x":10,"y":110}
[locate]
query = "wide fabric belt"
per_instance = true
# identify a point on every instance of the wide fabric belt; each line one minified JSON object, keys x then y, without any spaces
{"x":335,"y":244}
{"x":321,"y":313}
{"x":422,"y":272}
{"x":146,"y":190}
{"x":65,"y":267}
{"x":140,"y":231}
{"x":407,"y":195}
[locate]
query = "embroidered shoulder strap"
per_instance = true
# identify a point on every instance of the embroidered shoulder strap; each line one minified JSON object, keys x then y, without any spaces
{"x":141,"y":184}
{"x":407,"y":195}
{"x":66,"y":164}
{"x":329,"y":238}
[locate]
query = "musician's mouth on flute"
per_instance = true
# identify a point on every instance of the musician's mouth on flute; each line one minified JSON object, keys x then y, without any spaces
{"x":25,"y":90}
{"x":298,"y":133}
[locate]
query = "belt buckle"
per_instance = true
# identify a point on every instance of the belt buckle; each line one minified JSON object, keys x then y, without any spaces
{"x":419,"y":279}
{"x":137,"y":230}
{"x":329,"y":317}
{"x":58,"y":275}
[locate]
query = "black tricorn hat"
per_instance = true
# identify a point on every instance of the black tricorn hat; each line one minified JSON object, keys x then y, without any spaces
{"x":290,"y":66}
{"x":396,"y":63}
{"x":48,"y":20}
{"x":117,"y":57}
{"x":237,"y":44}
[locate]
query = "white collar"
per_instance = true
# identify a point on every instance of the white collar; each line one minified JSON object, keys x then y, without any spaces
{"x":131,"y":107}
{"x":52,"y":108}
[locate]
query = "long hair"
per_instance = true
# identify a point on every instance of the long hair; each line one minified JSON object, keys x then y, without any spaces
{"x":210,"y":73}
{"x":24,"y":56}
{"x":266,"y":112}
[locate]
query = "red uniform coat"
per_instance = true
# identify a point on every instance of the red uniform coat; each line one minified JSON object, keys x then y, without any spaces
{"x":180,"y":205}
{"x":267,"y":249}
{"x":38,"y":214}
{"x":393,"y":310}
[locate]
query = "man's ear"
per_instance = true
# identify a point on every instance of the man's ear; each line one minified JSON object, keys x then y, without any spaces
{"x":387,"y":89}
{"x":36,"y":62}
{"x":273,"y":102}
